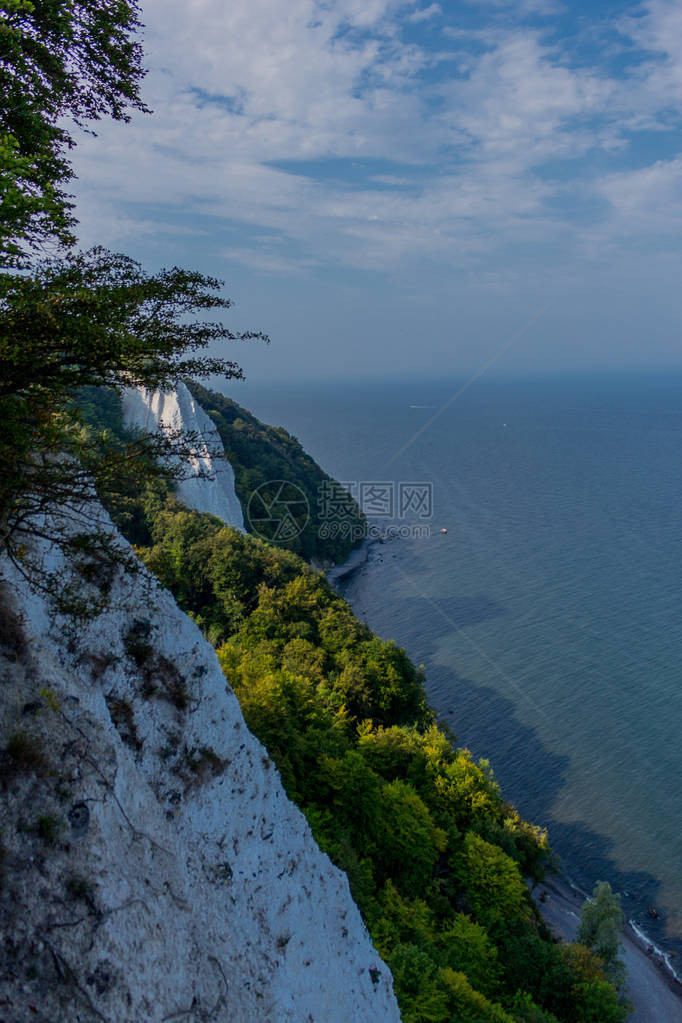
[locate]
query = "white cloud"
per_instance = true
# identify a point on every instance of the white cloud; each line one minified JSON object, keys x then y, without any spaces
{"x":521,"y":103}
{"x":268,"y":262}
{"x":522,"y":8}
{"x":425,"y":13}
{"x":655,"y":80}
{"x":239,"y":88}
{"x":647,"y":201}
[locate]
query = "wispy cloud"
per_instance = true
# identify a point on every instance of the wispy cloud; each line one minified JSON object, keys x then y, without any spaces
{"x":335,"y":127}
{"x":425,"y":13}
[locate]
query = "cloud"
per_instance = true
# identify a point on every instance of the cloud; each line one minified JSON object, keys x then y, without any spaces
{"x":329,"y":127}
{"x":520,"y":103}
{"x":522,"y":8}
{"x":646,"y":202}
{"x":268,"y":262}
{"x":655,"y":29}
{"x":425,"y":13}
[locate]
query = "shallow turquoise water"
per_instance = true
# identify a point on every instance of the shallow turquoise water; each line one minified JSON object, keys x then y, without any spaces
{"x":548,"y":618}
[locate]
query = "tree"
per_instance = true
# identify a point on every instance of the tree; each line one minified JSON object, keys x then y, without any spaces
{"x":601,"y":921}
{"x":594,"y":995}
{"x":95,"y":319}
{"x":494,"y":888}
{"x":92,"y":318}
{"x":59,"y":63}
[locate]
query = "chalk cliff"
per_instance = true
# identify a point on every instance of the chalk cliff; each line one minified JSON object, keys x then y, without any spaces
{"x":209,"y":487}
{"x":152,"y":866}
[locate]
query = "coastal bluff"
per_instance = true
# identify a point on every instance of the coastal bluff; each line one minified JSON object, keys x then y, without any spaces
{"x":207,"y":484}
{"x":153,"y":866}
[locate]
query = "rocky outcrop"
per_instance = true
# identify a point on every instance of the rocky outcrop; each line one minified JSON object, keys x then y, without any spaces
{"x":208,"y":483}
{"x":153,"y":868}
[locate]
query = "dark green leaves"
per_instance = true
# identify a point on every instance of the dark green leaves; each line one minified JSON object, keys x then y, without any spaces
{"x":58,"y":62}
{"x":91,"y":319}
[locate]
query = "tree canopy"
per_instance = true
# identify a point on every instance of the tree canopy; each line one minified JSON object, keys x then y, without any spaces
{"x":59,"y":64}
{"x":259,"y":454}
{"x":434,"y":856}
{"x":76,"y":319}
{"x":601,"y":923}
{"x":94,"y":319}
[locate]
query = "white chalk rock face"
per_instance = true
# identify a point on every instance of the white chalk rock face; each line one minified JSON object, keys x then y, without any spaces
{"x":177,"y":410}
{"x":153,"y":866}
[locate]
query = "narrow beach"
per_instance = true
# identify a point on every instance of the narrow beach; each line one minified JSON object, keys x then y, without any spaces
{"x":655,"y":994}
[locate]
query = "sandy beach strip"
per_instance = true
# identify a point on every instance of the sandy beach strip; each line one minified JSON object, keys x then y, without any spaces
{"x":651,"y":986}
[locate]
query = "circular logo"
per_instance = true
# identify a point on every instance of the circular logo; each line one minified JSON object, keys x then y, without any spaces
{"x":278,"y":511}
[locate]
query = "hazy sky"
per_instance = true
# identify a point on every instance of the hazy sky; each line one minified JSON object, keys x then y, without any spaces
{"x":401,"y":186}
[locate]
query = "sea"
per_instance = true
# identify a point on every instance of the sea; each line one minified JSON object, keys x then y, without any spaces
{"x":548,"y":617}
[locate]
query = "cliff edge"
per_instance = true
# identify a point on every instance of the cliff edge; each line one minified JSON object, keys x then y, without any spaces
{"x":209,"y":485}
{"x":152,"y":865}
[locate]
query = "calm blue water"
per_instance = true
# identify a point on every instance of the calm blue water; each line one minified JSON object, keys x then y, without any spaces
{"x":549,"y":617}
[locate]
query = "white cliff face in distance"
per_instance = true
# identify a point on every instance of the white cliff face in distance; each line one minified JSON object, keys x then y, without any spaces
{"x":212,"y":491}
{"x":153,"y":867}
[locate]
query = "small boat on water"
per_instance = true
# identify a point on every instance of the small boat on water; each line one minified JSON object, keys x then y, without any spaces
{"x":443,"y":530}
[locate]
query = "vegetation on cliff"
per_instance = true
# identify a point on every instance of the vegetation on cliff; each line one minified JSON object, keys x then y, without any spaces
{"x":78,"y":318}
{"x":260,"y":454}
{"x":435,"y":857}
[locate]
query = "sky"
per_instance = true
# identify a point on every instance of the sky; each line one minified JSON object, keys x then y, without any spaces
{"x":410,"y":188}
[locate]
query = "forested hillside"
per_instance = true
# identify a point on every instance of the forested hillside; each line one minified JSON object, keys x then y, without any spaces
{"x":435,"y":856}
{"x":261,"y":454}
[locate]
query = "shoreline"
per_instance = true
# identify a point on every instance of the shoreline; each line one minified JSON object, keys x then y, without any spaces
{"x":356,"y":559}
{"x":631,"y":930}
{"x":652,"y":983}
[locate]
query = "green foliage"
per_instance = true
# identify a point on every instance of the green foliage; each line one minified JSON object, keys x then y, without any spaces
{"x":416,"y":982}
{"x":260,"y":454}
{"x":395,"y":920}
{"x":409,"y":842}
{"x":524,"y":1010}
{"x":48,"y":828}
{"x":466,"y":947}
{"x":494,"y":887}
{"x":92,"y":319}
{"x":435,"y":857}
{"x":469,"y":1005}
{"x":77,"y":61}
{"x":594,"y":995}
{"x":124,"y":325}
{"x":565,"y":980}
{"x":23,"y":754}
{"x":429,"y":994}
{"x":50,"y":699}
{"x":601,"y":923}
